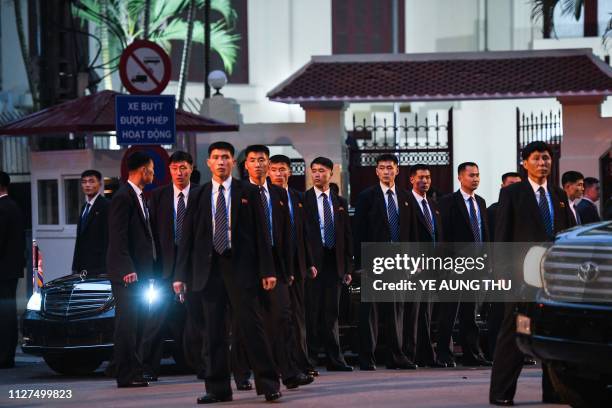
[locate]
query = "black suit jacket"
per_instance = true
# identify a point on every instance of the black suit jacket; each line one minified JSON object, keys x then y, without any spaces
{"x":587,"y":211}
{"x":456,"y":219}
{"x":492,"y":214}
{"x":423,"y":234}
{"x":92,"y":239}
{"x":12,"y":240}
{"x":281,"y":230}
{"x":301,"y":249}
{"x":518,"y":215}
{"x":161,"y":205}
{"x":130,"y":245}
{"x":342,"y":227}
{"x":371,"y":221}
{"x":251,"y":256}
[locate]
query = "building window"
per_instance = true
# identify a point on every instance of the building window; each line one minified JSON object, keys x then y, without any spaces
{"x":366,"y":26}
{"x":73,"y":200}
{"x":240,"y":73}
{"x":48,"y":213}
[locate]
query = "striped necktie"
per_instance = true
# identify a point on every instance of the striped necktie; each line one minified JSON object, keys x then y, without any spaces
{"x":474,"y":221}
{"x":220,"y":238}
{"x":545,"y":212}
{"x":392,"y":214}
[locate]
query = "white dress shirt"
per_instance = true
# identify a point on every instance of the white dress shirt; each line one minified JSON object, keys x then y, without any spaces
{"x":227,"y":185}
{"x":318,"y":194}
{"x":138,"y":192}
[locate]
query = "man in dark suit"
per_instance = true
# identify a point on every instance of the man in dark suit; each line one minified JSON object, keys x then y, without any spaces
{"x":418,"y":345}
{"x":130,"y":259}
{"x":495,"y":310}
{"x":586,"y":207}
{"x":169,"y":206}
{"x":464,"y":219}
{"x":529,"y":211}
{"x":277,"y":303}
{"x":573,"y":185}
{"x":383,"y":214}
{"x":92,"y":229}
{"x":328,"y":230}
{"x":224,"y":262}
{"x":12,"y":259}
{"x":302,"y":265}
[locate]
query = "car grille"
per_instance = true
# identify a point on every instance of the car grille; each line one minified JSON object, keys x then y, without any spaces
{"x":579,"y":273}
{"x":77,"y":301}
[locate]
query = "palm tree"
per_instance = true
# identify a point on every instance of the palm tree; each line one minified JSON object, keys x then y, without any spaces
{"x":545,"y":9}
{"x":122,"y":19}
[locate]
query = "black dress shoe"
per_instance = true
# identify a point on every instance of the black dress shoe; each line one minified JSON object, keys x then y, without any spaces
{"x":403,"y":366}
{"x":133,"y":384}
{"x":501,"y":402}
{"x":149,"y":377}
{"x":214,"y":398}
{"x":437,"y":364}
{"x":367,"y":367}
{"x":201,"y":375}
{"x":529,"y":361}
{"x":274,"y":396}
{"x":244,"y":385}
{"x":311,"y":371}
{"x":300,"y":379}
{"x":478,"y":362}
{"x":339,"y":367}
{"x":552,"y":399}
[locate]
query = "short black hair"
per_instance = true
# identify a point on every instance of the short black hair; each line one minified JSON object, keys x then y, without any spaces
{"x":280,"y":158}
{"x":137,"y":159}
{"x":571,"y":177}
{"x":509,"y":174}
{"x":589,"y":182}
{"x":257,"y":148}
{"x":537,"y":146}
{"x":416,"y":167}
{"x":5,"y":179}
{"x":180,"y":156}
{"x":463,"y":166}
{"x":387,"y":157}
{"x":90,"y":173}
{"x":323,"y":161}
{"x":220,"y":145}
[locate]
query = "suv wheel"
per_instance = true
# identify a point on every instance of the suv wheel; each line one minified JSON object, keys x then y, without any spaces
{"x":577,"y":391}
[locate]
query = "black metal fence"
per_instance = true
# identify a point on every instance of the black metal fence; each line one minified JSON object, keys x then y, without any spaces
{"x":411,"y":138}
{"x":545,"y":127}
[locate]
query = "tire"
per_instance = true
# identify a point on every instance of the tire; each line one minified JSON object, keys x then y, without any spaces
{"x":577,"y":391}
{"x":71,"y":364}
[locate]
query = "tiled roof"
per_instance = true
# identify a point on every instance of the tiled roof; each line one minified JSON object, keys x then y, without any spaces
{"x":447,"y":76}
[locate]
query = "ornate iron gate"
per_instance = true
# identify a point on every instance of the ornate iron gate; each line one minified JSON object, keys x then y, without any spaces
{"x":546,"y":128}
{"x":411,"y":140}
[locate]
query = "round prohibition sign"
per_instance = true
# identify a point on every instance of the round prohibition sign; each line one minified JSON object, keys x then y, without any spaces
{"x":144,"y":68}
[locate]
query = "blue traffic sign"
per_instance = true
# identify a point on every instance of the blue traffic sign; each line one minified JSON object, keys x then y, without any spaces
{"x":145,"y":119}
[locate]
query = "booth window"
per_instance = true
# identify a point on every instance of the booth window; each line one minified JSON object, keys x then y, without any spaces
{"x":73,"y":199}
{"x":48,"y":208}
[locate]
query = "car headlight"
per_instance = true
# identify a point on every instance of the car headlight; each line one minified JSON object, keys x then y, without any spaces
{"x":151,"y":294}
{"x":34,"y":302}
{"x":532,"y":265}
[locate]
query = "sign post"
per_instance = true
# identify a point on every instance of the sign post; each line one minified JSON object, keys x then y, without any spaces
{"x":144,"y":68}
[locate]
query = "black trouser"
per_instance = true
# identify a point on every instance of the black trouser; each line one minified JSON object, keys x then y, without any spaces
{"x":8,"y":321}
{"x":323,"y":308}
{"x":508,"y":361}
{"x":223,"y":289}
{"x":163,"y":316}
{"x":468,"y":331}
{"x":418,"y":344}
{"x":495,"y":317}
{"x":129,"y":309}
{"x":194,"y":333}
{"x":391,"y":315}
{"x":298,"y":325}
{"x":241,"y":368}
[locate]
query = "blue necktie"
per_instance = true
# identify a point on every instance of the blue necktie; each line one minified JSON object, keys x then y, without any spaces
{"x":394,"y":225}
{"x":180,"y":216}
{"x":474,"y":221}
{"x":328,"y":224}
{"x":428,"y":220}
{"x":266,"y":208}
{"x":220,"y":239}
{"x":85,"y":215}
{"x":545,"y":211}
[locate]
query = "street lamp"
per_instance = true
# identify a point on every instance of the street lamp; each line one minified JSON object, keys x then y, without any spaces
{"x":217,"y":79}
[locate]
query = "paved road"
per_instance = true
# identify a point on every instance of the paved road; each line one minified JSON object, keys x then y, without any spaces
{"x":384,"y":388}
